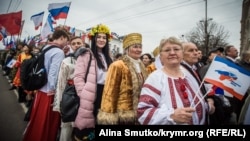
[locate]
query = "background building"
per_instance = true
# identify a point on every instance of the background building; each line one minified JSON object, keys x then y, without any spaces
{"x":245,"y":27}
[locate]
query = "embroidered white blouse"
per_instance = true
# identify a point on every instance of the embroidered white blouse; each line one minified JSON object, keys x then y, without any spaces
{"x":161,"y":94}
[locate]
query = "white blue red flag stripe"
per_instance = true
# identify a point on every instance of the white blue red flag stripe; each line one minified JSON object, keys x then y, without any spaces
{"x":37,"y":19}
{"x":59,"y":10}
{"x":47,"y":28}
{"x":228,"y":76}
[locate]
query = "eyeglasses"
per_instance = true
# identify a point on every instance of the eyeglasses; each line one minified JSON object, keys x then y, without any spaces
{"x":169,"y":50}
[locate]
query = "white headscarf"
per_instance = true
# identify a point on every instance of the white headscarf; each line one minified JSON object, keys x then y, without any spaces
{"x":158,"y":63}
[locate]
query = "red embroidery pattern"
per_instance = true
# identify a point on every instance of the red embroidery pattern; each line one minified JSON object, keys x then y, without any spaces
{"x":150,"y":114}
{"x":183,"y":85}
{"x":184,"y":97}
{"x":171,"y":89}
{"x":152,"y":89}
{"x":183,"y":90}
{"x":150,"y":101}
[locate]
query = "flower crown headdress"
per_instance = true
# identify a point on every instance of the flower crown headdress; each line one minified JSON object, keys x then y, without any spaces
{"x":100,"y":28}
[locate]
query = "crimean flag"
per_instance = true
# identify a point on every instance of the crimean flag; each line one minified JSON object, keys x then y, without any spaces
{"x":229,"y":76}
{"x":59,"y":10}
{"x":11,"y":22}
{"x":37,"y":19}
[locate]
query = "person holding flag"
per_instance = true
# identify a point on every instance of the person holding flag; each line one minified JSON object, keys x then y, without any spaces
{"x":223,"y":110}
{"x":169,"y":95}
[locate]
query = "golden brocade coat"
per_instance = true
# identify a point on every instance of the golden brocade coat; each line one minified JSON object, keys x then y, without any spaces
{"x":121,"y":93}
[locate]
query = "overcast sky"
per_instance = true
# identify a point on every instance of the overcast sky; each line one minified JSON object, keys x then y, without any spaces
{"x":154,"y":19}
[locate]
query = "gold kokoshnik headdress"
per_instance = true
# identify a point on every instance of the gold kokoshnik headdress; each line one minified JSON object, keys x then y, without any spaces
{"x":132,"y":38}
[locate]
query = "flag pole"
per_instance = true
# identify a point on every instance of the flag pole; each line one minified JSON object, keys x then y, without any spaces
{"x":9,"y":6}
{"x":40,"y":31}
{"x":202,"y":82}
{"x":21,"y":30}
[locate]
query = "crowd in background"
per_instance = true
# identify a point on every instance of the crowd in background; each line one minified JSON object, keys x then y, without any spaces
{"x":128,"y":89}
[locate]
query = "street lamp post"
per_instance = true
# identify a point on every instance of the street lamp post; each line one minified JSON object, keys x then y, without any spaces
{"x":206,"y":25}
{"x":206,"y":35}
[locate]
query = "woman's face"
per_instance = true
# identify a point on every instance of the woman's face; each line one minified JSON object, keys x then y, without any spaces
{"x":146,"y":60}
{"x":101,"y":40}
{"x":171,"y":54}
{"x":134,"y":51}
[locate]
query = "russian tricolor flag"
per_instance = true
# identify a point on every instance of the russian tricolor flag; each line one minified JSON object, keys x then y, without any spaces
{"x":228,"y":76}
{"x":37,"y":19}
{"x":59,"y":10}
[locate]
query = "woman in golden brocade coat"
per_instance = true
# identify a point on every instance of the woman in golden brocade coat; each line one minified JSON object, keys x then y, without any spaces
{"x":123,"y":84}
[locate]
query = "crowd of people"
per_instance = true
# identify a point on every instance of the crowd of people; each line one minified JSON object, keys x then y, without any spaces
{"x":130,"y":89}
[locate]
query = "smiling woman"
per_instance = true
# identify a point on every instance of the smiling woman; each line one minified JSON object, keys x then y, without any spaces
{"x":170,"y":92}
{"x":122,"y":87}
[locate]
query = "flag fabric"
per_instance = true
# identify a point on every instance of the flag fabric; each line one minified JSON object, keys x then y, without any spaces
{"x":115,"y":35}
{"x":47,"y":28}
{"x":72,"y":30}
{"x":88,"y":29}
{"x":10,"y":43}
{"x":37,"y":19}
{"x":11,"y":22}
{"x":82,"y":35}
{"x":13,"y":42}
{"x":4,"y":41}
{"x":228,"y":76}
{"x":3,"y":32}
{"x":59,"y":10}
{"x":1,"y":37}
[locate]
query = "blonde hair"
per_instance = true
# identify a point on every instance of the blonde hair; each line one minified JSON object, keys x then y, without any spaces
{"x":172,"y":40}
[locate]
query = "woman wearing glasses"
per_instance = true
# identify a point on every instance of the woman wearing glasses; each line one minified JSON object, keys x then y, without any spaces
{"x":169,"y":96}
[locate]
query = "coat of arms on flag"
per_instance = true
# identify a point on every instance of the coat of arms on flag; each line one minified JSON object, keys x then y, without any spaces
{"x":229,"y":76}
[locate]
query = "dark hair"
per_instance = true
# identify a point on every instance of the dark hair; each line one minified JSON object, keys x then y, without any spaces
{"x":30,"y":47}
{"x":59,"y":33}
{"x":105,"y":52}
{"x":86,"y":45}
{"x":21,"y":43}
{"x":149,"y":56}
{"x":227,"y":48}
{"x":50,"y":39}
{"x":118,"y":55}
{"x":75,"y":37}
